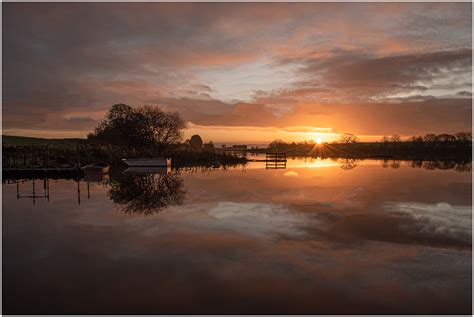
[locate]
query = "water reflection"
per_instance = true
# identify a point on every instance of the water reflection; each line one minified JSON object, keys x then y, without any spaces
{"x":210,"y":169}
{"x":305,"y":240}
{"x":145,"y":193}
{"x":34,"y":195}
{"x":391,"y":164}
{"x":348,"y":164}
{"x":351,"y":163}
{"x":96,"y":178}
{"x":462,"y":166}
{"x":148,"y":190}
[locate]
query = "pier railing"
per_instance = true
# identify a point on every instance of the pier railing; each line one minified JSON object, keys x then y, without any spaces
{"x":275,"y":160}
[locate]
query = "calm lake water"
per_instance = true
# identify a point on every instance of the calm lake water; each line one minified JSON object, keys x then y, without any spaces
{"x":320,"y":236}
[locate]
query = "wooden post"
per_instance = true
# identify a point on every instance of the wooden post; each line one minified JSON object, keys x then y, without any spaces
{"x":78,"y":193}
{"x":34,"y":193}
{"x":47,"y":187}
{"x":78,"y":164}
{"x":47,"y":156}
{"x":33,"y":150}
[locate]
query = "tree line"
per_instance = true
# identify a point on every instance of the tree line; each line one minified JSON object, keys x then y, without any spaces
{"x":430,"y":146}
{"x":459,"y":137}
{"x":464,"y":138}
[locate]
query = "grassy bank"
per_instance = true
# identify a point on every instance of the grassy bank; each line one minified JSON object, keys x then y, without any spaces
{"x":62,"y":152}
{"x":10,"y":140}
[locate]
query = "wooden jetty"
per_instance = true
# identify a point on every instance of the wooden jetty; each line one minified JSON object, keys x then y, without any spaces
{"x":272,"y":160}
{"x":25,"y":156}
{"x":275,"y":160}
{"x":34,"y":162}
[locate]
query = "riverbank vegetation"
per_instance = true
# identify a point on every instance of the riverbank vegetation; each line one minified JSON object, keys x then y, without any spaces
{"x":428,"y":147}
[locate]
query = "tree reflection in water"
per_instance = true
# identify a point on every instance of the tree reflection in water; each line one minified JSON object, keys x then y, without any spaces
{"x":461,"y":166}
{"x":348,"y":164}
{"x":147,"y":193}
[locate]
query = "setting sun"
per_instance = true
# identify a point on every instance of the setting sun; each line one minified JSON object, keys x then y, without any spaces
{"x":319,"y":141}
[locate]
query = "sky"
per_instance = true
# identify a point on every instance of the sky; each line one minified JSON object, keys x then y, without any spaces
{"x":240,"y":72}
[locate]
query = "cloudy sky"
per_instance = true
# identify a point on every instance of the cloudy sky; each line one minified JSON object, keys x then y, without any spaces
{"x":240,"y":72}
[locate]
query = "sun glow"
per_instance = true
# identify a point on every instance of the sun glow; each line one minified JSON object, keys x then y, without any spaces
{"x":319,"y":141}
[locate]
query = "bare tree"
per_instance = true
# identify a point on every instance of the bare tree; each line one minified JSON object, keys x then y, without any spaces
{"x":164,"y":128}
{"x":142,"y":127}
{"x":446,"y":138}
{"x":277,"y":144}
{"x":391,"y":138}
{"x":395,"y":138}
{"x":464,"y":137}
{"x":348,"y":138}
{"x":430,"y":137}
